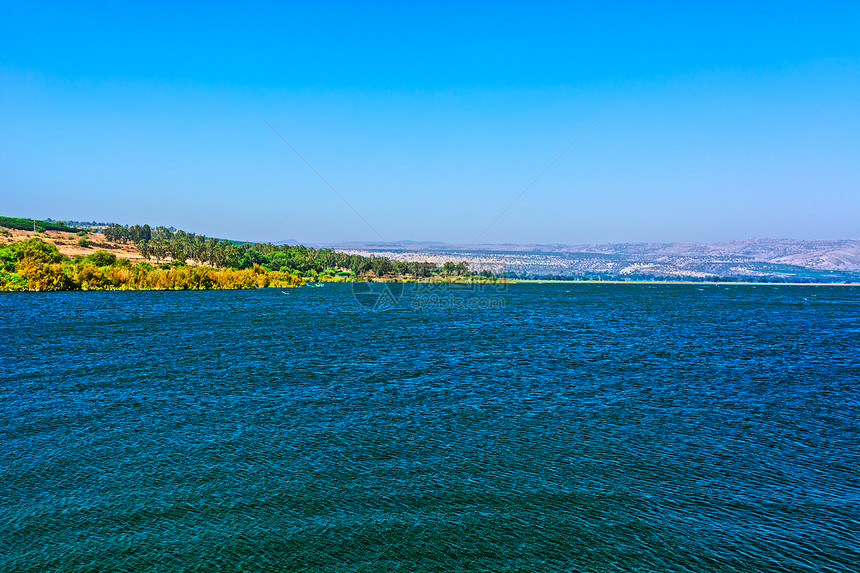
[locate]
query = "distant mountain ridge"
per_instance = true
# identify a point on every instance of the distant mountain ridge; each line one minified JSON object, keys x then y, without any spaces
{"x":824,"y":259}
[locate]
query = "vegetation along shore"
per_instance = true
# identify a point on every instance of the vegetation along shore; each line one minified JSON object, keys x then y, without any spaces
{"x":50,"y":256}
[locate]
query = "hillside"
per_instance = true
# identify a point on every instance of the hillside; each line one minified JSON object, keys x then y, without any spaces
{"x":750,"y":259}
{"x":67,"y":243}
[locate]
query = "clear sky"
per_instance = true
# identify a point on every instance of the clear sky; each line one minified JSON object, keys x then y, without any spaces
{"x":720,"y":120}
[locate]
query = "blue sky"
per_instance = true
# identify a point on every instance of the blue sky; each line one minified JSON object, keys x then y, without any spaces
{"x":720,"y":120}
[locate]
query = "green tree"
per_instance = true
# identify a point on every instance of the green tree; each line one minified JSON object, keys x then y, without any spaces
{"x":176,"y":248}
{"x":382,"y":266}
{"x":102,"y":258}
{"x":162,"y":234}
{"x":159,"y":250}
{"x":144,"y":249}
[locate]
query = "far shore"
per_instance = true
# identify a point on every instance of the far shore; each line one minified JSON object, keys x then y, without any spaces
{"x":69,"y":244}
{"x":657,"y":282}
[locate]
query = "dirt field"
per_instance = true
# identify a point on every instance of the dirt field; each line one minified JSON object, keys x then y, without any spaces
{"x":67,"y":243}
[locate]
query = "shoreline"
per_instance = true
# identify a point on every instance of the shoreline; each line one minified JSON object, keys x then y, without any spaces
{"x":518,"y":281}
{"x":658,"y":282}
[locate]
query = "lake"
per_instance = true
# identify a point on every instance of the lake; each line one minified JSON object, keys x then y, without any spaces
{"x":523,"y":427}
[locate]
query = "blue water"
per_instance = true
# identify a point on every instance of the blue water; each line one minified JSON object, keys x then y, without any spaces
{"x":578,"y":427}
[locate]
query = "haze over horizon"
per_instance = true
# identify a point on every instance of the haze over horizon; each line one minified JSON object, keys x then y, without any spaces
{"x":719,"y":122}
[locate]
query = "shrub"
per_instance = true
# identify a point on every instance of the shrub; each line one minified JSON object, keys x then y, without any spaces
{"x":83,"y":242}
{"x":102,"y":258}
{"x":8,"y":258}
{"x":36,"y":251}
{"x":11,"y":281}
{"x":82,"y":233}
{"x":45,"y":277}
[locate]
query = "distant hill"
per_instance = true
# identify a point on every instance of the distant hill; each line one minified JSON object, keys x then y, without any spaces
{"x":835,"y":260}
{"x":783,"y":259}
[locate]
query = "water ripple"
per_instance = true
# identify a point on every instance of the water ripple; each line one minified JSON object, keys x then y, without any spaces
{"x":577,"y":428}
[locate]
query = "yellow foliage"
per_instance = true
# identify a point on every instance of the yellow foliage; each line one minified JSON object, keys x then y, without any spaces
{"x":44,"y":277}
{"x":38,"y":267}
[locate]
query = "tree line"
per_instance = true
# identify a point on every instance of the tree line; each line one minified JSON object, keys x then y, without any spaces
{"x":162,"y":244}
{"x":31,"y":224}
